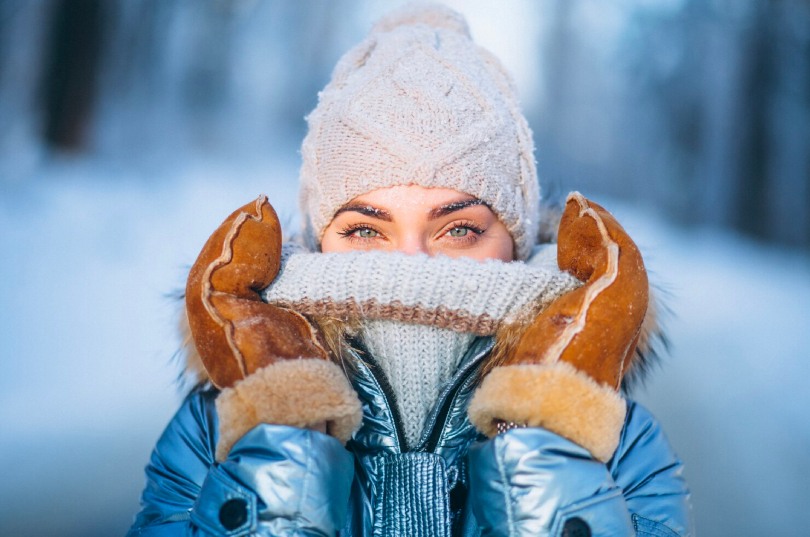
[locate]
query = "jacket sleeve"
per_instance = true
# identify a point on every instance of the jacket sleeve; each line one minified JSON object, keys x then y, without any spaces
{"x":534,"y":482}
{"x":277,"y":480}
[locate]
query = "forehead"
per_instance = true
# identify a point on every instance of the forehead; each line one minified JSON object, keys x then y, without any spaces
{"x":411,"y":196}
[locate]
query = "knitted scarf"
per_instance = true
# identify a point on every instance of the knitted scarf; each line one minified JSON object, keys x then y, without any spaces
{"x":417,"y":315}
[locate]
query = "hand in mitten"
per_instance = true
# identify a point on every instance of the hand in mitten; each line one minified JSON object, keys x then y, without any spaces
{"x":565,"y":372}
{"x":267,"y":360}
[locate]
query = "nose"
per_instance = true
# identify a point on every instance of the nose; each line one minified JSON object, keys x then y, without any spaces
{"x":413,"y":244}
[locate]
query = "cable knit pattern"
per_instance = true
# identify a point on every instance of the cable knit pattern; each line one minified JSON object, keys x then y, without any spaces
{"x":461,"y":294}
{"x":419,"y":103}
{"x":416,"y":360}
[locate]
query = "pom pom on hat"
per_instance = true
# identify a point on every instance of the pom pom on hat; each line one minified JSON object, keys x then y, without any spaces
{"x":434,"y":15}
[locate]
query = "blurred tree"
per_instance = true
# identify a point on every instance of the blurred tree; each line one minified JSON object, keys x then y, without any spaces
{"x":71,"y":71}
{"x":756,"y":82}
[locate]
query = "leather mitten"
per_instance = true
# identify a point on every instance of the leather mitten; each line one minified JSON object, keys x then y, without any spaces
{"x":565,"y":371}
{"x":267,"y":360}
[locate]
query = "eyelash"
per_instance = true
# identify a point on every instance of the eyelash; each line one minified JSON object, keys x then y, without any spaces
{"x":349,"y":232}
{"x":477,"y":231}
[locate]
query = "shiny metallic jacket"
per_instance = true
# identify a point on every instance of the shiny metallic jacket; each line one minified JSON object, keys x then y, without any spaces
{"x":285,"y":481}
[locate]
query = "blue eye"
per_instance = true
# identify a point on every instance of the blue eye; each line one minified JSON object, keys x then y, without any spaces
{"x":366,"y":233}
{"x":459,"y":232}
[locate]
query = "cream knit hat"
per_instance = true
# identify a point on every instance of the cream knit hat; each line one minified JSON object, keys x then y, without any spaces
{"x":417,"y":102}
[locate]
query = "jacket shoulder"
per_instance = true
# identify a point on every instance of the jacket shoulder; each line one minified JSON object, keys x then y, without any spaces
{"x":193,"y":425}
{"x":181,"y":459}
{"x":650,"y":473}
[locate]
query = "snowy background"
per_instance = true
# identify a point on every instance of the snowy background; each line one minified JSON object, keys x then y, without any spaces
{"x":197,"y":108}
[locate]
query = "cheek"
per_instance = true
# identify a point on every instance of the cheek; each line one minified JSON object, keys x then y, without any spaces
{"x":501,"y":249}
{"x":331,"y":242}
{"x":498,"y":245}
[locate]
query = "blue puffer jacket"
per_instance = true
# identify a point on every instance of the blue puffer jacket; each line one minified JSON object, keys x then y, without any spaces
{"x":284,"y":481}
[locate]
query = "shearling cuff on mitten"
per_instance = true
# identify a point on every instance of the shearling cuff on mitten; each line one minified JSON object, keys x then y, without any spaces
{"x":299,"y":393}
{"x":556,"y":397}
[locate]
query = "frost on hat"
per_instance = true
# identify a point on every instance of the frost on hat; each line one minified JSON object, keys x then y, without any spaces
{"x":419,"y":103}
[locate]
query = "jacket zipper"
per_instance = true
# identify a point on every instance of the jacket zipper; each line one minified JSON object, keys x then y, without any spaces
{"x":385,"y":389}
{"x":432,"y":441}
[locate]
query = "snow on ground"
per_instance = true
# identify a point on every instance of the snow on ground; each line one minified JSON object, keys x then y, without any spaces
{"x":92,"y":252}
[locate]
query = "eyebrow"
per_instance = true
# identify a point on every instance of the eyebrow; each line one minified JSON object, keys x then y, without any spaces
{"x":381,"y":214}
{"x":366,"y":210}
{"x":444,"y":210}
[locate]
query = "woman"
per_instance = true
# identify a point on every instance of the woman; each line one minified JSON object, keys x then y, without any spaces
{"x":422,"y":367}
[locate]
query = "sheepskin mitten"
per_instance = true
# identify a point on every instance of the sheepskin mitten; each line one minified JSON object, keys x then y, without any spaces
{"x":566,"y":369}
{"x":419,"y":103}
{"x":266,"y":359}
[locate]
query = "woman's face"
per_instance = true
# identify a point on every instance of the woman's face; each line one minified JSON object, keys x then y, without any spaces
{"x":413,"y":219}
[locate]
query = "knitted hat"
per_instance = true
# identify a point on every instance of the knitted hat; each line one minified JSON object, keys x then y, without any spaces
{"x":418,"y":103}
